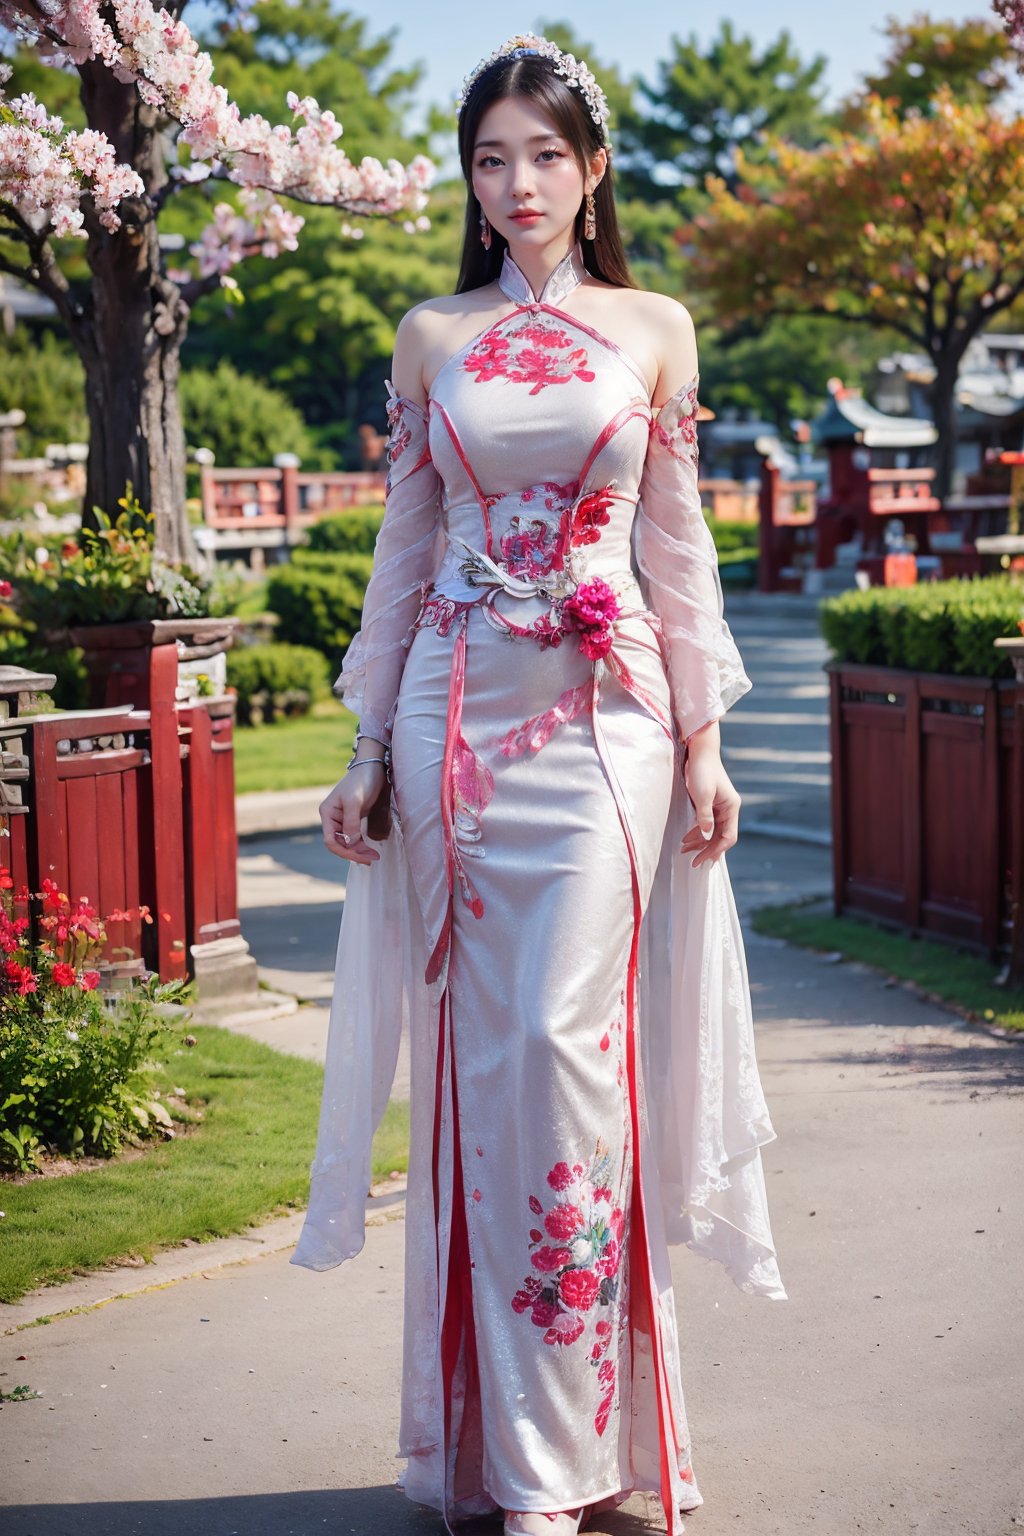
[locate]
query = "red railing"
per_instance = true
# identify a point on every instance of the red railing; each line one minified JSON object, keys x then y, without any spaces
{"x":285,"y":499}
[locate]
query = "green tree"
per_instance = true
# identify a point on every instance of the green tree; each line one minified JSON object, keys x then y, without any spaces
{"x":43,"y":376}
{"x":973,"y":58}
{"x":240,"y":419}
{"x":710,"y":103}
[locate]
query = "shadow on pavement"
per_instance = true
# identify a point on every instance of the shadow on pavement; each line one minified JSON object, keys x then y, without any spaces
{"x":381,"y":1511}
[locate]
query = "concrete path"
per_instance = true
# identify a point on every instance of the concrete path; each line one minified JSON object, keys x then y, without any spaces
{"x":263,"y":1399}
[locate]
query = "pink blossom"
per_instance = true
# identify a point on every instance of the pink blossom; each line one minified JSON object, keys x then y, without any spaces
{"x":90,"y":981}
{"x":44,"y":169}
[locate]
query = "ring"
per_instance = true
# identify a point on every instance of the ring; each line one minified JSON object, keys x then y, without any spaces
{"x":345,"y":838}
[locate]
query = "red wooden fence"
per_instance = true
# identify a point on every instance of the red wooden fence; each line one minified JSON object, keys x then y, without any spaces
{"x":132,"y":803}
{"x":928,"y":801}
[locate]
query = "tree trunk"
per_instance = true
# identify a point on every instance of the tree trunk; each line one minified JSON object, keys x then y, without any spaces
{"x":130,"y":333}
{"x":943,"y":401}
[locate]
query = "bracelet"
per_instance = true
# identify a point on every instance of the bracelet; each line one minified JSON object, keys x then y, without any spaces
{"x":363,"y":760}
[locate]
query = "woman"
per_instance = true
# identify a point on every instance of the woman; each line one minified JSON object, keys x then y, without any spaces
{"x":542,"y":665}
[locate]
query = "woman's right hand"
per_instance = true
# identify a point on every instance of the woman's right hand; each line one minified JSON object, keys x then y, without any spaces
{"x":342,"y":812}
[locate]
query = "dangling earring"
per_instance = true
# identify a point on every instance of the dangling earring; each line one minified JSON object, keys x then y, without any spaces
{"x":485,"y":232}
{"x":590,"y":221}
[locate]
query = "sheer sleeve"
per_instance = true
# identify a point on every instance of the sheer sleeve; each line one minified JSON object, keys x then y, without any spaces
{"x":678,"y":565}
{"x":404,"y":558}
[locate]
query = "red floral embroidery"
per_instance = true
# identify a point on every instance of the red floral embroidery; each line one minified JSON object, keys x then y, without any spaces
{"x":680,"y":438}
{"x":528,"y":549}
{"x":538,"y":730}
{"x":592,"y":610}
{"x":579,"y":1277}
{"x":536,"y":353}
{"x":441,"y":612}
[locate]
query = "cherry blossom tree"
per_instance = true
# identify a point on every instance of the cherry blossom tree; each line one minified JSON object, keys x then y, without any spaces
{"x":1012,"y":13}
{"x":157,"y":123}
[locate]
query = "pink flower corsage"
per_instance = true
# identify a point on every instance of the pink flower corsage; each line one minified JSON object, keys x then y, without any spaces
{"x":592,"y":609}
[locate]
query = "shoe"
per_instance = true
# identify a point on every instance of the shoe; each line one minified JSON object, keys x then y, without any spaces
{"x":528,"y":1523}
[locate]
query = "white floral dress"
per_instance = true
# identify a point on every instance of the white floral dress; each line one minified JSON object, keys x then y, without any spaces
{"x":542,"y":632}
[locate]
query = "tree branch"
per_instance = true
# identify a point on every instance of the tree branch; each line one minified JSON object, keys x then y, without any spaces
{"x":902,"y":328}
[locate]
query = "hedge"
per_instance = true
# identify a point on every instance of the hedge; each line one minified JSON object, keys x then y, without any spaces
{"x":349,"y":533}
{"x":938,"y":626}
{"x":275,"y":680}
{"x":318,"y":599}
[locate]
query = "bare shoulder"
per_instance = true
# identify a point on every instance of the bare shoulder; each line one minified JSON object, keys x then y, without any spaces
{"x":675,"y":342}
{"x":425,"y":335}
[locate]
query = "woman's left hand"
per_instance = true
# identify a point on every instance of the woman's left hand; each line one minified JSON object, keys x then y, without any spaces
{"x":714,"y":796}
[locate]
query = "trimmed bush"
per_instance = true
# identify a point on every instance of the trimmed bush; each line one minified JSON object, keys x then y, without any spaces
{"x":348,"y":533}
{"x":940,"y":626}
{"x":272,"y":681}
{"x":319,"y":600}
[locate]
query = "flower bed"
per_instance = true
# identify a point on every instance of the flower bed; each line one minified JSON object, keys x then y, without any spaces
{"x":75,"y":1069}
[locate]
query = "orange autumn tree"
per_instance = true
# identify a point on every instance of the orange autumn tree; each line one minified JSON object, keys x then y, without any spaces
{"x":913,"y":223}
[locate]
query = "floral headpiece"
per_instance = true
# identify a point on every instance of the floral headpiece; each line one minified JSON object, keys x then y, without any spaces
{"x":573,"y":71}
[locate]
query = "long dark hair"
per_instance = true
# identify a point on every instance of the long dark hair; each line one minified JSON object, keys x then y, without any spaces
{"x":533,"y":76}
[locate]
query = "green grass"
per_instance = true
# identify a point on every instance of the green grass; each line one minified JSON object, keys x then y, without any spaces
{"x":295,"y":754}
{"x":247,"y":1160}
{"x":960,"y":979}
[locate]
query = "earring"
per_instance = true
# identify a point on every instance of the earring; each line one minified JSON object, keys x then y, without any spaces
{"x":590,"y":221}
{"x":485,"y":232}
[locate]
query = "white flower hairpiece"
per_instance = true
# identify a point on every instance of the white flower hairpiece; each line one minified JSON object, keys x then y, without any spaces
{"x":573,"y":71}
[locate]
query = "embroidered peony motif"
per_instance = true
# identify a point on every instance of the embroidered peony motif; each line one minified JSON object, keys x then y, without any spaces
{"x":680,"y":438}
{"x":528,"y":548}
{"x":577,"y":1258}
{"x":535,"y":352}
{"x":592,"y":610}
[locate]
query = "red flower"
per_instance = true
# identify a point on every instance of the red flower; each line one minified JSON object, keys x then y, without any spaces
{"x":561,"y":1176}
{"x":544,"y":1313}
{"x":592,"y":609}
{"x":22,"y":977}
{"x":578,"y":1289}
{"x":608,"y":1263}
{"x":6,"y":590}
{"x":90,"y":981}
{"x":606,"y":1372}
{"x":64,"y":975}
{"x":6,"y":880}
{"x":563,"y":1222}
{"x":566,"y":1329}
{"x":546,"y":1259}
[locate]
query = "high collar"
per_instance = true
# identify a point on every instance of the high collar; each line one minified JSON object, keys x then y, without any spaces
{"x":568,"y":274}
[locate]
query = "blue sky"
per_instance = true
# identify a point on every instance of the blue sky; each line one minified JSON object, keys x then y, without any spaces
{"x":450,"y":36}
